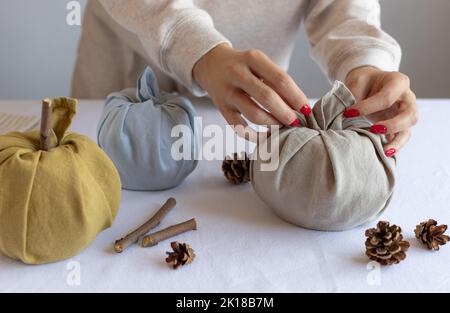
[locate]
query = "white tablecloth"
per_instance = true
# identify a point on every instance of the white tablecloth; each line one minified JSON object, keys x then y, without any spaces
{"x":241,"y":245}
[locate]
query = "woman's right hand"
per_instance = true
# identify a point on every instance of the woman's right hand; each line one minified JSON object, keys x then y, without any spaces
{"x":237,"y":81}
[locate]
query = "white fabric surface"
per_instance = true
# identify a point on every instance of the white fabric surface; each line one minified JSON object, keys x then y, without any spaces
{"x":242,"y":246}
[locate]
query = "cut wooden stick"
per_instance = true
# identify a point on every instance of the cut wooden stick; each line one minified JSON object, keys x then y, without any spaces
{"x":172,"y":231}
{"x":133,"y":237}
{"x":46,"y":124}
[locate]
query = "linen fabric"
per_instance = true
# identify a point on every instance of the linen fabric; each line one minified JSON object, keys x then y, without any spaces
{"x":54,"y":203}
{"x":332,"y":174}
{"x":135,"y":130}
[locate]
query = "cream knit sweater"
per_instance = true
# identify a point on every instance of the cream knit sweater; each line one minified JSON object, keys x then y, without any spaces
{"x":121,"y":37}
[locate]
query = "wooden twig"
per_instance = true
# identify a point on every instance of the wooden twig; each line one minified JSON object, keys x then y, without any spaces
{"x":172,"y":231}
{"x":133,"y":237}
{"x":46,"y":124}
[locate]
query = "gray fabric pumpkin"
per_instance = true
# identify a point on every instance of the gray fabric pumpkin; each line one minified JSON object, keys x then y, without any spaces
{"x":135,"y":130}
{"x":332,"y":175}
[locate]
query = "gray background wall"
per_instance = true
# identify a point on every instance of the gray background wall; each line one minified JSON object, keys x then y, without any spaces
{"x":38,"y":48}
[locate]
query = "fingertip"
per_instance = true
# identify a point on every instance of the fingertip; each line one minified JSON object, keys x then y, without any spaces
{"x":390,"y":152}
{"x":295,"y":123}
{"x":351,"y":113}
{"x":397,"y":143}
{"x":306,"y":110}
{"x":378,"y":129}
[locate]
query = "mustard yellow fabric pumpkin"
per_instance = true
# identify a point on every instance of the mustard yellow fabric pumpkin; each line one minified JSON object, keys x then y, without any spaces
{"x":54,"y":203}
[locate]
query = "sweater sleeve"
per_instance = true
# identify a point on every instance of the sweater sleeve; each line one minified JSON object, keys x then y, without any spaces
{"x":174,"y":33}
{"x":346,"y":34}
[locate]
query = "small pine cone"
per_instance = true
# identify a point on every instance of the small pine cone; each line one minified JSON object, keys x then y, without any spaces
{"x":385,"y":244}
{"x":182,"y":254}
{"x":237,"y":168}
{"x":431,"y":234}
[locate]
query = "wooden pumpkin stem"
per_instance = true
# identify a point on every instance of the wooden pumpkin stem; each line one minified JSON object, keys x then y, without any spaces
{"x":46,"y":124}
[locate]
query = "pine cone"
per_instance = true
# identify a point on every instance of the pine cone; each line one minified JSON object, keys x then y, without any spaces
{"x":182,"y":254}
{"x":431,"y":234}
{"x":385,"y":244}
{"x":237,"y":168}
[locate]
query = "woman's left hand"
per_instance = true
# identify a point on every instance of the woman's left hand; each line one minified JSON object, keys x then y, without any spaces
{"x":387,"y":100}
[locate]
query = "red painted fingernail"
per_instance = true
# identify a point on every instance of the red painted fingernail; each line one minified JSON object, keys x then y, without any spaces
{"x":295,"y":123}
{"x":305,"y":110}
{"x":378,"y":129}
{"x":390,"y":152}
{"x":352,"y":113}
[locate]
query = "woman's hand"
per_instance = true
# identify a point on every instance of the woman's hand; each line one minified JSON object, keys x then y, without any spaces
{"x":387,"y":100}
{"x":248,"y":83}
